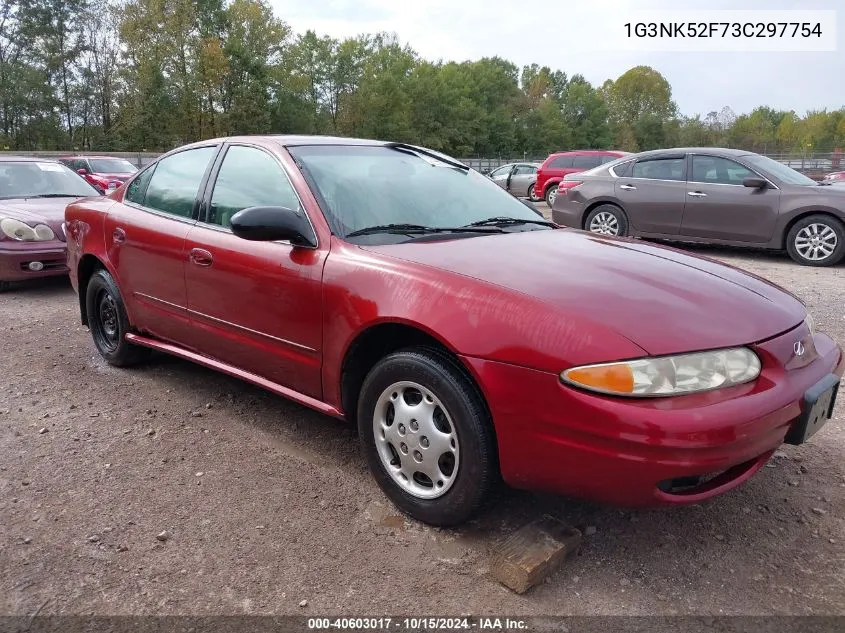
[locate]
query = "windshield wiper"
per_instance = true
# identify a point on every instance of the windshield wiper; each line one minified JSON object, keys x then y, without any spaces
{"x":419,"y":228}
{"x":504,"y":221}
{"x":55,"y":195}
{"x":413,"y":149}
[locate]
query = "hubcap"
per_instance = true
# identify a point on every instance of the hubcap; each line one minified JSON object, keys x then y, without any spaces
{"x":552,"y":195}
{"x":416,"y":440}
{"x":604,"y":223}
{"x":531,"y":192}
{"x":816,"y":242}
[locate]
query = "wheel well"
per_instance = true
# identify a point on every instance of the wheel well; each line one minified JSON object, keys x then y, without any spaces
{"x":374,"y":344}
{"x":795,"y":220}
{"x":88,"y":265}
{"x":598,"y":204}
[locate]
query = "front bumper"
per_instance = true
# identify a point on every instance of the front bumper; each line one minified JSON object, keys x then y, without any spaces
{"x":632,"y":453}
{"x":15,"y":258}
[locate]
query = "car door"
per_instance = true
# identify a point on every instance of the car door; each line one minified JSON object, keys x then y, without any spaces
{"x":653,"y":193}
{"x":146,"y":234}
{"x":522,"y":177}
{"x":501,"y":176}
{"x":256,"y":305}
{"x":718,"y":205}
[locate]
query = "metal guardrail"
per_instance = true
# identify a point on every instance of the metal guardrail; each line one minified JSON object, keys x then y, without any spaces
{"x":813,"y":164}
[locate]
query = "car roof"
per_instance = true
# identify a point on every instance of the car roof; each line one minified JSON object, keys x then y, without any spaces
{"x":718,"y":151}
{"x":589,"y":152}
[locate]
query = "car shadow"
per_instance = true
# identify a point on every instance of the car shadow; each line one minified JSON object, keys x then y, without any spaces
{"x":44,"y":287}
{"x":659,"y":552}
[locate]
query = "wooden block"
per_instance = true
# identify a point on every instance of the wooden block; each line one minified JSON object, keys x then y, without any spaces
{"x":529,"y":555}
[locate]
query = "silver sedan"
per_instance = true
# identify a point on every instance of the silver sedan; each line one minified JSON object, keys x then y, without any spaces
{"x":517,"y":178}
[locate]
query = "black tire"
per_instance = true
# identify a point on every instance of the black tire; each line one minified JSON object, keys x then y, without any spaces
{"x":532,"y":195}
{"x":551,"y":194}
{"x":823,"y":222}
{"x":621,"y":225}
{"x":476,"y":473}
{"x":109,"y":323}
{"x":5,"y":285}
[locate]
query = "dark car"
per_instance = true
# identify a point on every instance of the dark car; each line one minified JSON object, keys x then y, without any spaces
{"x":395,"y":287}
{"x":33,"y":196}
{"x":718,"y":196}
{"x":518,"y":179}
{"x":102,"y":172}
{"x":560,"y":164}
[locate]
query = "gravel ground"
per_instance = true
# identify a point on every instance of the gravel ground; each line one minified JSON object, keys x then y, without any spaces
{"x":170,"y":489}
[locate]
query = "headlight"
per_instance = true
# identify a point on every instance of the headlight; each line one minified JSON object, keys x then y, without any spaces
{"x":668,"y":375}
{"x":17,"y":230}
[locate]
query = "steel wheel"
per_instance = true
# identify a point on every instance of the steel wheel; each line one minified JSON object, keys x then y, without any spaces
{"x":551,"y":195}
{"x":416,"y":440}
{"x":816,"y":242}
{"x":604,"y":223}
{"x":106,"y":325}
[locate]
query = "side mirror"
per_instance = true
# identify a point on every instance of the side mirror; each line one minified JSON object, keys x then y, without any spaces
{"x":268,"y":224}
{"x":81,"y":171}
{"x":755,"y":183}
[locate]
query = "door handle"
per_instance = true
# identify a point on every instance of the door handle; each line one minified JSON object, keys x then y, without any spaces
{"x":201,"y":257}
{"x":627,"y":187}
{"x":118,"y":236}
{"x":696,"y":194}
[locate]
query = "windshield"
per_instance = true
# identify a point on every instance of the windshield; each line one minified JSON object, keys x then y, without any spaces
{"x":111,"y":166}
{"x":366,"y":186}
{"x":778,"y":170}
{"x":30,"y":179}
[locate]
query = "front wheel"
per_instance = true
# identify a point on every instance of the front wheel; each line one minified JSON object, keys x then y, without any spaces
{"x":817,"y":240}
{"x":551,"y":194}
{"x":109,"y":323}
{"x":427,"y":436}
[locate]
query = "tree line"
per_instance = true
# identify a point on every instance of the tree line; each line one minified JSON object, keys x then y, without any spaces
{"x":149,"y":75}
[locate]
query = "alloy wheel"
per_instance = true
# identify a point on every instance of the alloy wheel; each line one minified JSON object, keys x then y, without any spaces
{"x":816,"y":242}
{"x":416,"y":440}
{"x":604,"y":223}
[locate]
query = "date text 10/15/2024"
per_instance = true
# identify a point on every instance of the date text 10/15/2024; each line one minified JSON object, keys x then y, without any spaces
{"x":419,"y":623}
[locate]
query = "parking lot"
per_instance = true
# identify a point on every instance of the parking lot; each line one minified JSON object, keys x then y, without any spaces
{"x":171,"y":489}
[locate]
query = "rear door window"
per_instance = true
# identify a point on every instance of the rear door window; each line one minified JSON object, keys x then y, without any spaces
{"x":586,"y":162}
{"x":668,"y":168}
{"x":174,"y":184}
{"x":561,"y":162}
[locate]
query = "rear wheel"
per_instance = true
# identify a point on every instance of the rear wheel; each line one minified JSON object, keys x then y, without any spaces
{"x":817,"y":240}
{"x":427,"y":436}
{"x":532,"y":194}
{"x":607,"y":219}
{"x":109,"y":323}
{"x":551,"y":194}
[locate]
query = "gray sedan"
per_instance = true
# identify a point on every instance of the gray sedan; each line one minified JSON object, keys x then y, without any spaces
{"x":517,"y":178}
{"x":708,"y":195}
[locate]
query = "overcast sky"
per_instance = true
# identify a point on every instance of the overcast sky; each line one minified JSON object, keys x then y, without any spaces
{"x":529,"y":31}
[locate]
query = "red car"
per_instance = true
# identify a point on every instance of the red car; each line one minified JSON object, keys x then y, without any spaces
{"x":834,"y":176}
{"x":33,"y":195}
{"x":558,"y":165}
{"x":394,"y":287}
{"x":103,"y":172}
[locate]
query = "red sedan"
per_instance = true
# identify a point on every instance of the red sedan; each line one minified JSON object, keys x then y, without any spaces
{"x":466,"y":338}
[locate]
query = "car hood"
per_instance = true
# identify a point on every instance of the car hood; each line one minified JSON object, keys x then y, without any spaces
{"x":32,"y":211}
{"x":660,"y":298}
